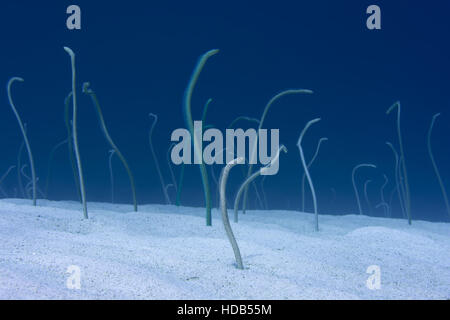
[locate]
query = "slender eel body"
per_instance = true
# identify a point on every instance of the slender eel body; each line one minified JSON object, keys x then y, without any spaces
{"x":190,"y":125}
{"x":407,"y":196}
{"x":397,"y":179}
{"x":70,"y":145}
{"x":49,"y":165}
{"x":308,"y":176}
{"x":87,"y":90}
{"x":223,"y":205}
{"x":261,"y":122}
{"x":436,"y":170}
{"x":354,"y":183}
{"x":250,"y":179}
{"x":309,"y":166}
{"x":155,"y":158}
{"x":74,"y":133}
{"x":25,"y":137}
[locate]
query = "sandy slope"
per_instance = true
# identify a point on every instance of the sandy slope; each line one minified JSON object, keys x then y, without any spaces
{"x":166,"y":252}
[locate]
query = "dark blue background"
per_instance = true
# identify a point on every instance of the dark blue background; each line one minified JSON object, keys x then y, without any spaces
{"x":138,"y":56}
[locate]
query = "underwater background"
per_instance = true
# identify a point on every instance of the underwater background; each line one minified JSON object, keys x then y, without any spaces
{"x":138,"y":57}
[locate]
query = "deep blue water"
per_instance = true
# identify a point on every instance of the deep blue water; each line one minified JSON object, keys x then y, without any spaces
{"x":138,"y":56}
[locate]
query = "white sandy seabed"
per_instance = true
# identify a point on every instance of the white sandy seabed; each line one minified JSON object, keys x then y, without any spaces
{"x":167,"y":252}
